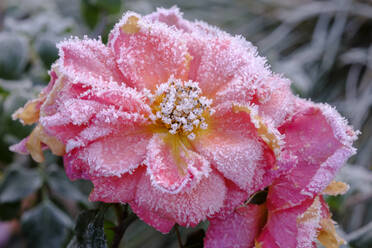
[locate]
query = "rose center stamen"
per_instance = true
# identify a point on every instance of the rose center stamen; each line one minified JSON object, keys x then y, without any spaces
{"x":179,"y":106}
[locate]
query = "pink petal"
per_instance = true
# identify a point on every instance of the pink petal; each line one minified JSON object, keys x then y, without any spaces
{"x":150,"y":54}
{"x":116,"y":154}
{"x":75,"y":167}
{"x":280,"y":102}
{"x":74,"y":107}
{"x":171,"y":17}
{"x":161,"y":224}
{"x":322,"y":142}
{"x":188,"y":207}
{"x":236,"y":58}
{"x":116,"y":189}
{"x":281,"y":228}
{"x":238,"y":230}
{"x":87,"y":60}
{"x":20,"y":147}
{"x":219,"y":62}
{"x":308,"y":225}
{"x":234,"y":198}
{"x":171,"y":173}
{"x":235,"y":149}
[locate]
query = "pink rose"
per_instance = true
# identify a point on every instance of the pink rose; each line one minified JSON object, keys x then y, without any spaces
{"x":181,"y":120}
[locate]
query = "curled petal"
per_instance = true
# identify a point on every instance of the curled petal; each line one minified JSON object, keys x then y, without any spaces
{"x":321,"y":142}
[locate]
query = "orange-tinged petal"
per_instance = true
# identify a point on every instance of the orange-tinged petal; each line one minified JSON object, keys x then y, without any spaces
{"x":328,"y":236}
{"x":131,"y":26}
{"x":29,"y":114}
{"x":39,"y":137}
{"x":269,"y":135}
{"x":336,"y":188}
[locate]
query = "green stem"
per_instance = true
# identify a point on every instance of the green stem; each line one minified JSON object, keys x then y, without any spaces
{"x":178,"y":236}
{"x":125,"y":219}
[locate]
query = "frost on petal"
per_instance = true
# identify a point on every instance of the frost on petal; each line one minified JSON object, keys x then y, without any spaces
{"x":115,"y":188}
{"x":148,"y":53}
{"x":220,"y":62}
{"x":87,"y":60}
{"x":308,"y":224}
{"x":75,"y":167}
{"x":116,"y":154}
{"x":234,"y":198}
{"x":188,"y":207}
{"x":321,"y":142}
{"x":280,"y":101}
{"x":171,"y":165}
{"x":71,"y":107}
{"x":234,"y":147}
{"x":161,"y":224}
{"x":171,"y":17}
{"x":237,"y":230}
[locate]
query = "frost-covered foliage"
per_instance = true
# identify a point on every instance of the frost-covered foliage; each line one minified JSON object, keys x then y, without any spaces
{"x":323,"y":46}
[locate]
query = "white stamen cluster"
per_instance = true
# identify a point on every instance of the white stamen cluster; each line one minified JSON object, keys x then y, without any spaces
{"x":181,"y":107}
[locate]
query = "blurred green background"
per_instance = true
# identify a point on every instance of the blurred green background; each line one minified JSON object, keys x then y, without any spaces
{"x":324,"y":47}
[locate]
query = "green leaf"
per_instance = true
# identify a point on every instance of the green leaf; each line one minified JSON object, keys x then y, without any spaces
{"x":90,"y":13}
{"x":9,"y":211}
{"x":45,"y":226}
{"x":3,"y":93}
{"x":89,"y":230}
{"x":47,"y":50}
{"x":19,"y":183}
{"x":109,"y":231}
{"x":111,"y":6}
{"x":62,"y":186}
{"x":14,"y":55}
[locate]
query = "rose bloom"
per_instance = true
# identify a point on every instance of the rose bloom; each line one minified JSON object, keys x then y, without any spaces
{"x":182,"y":121}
